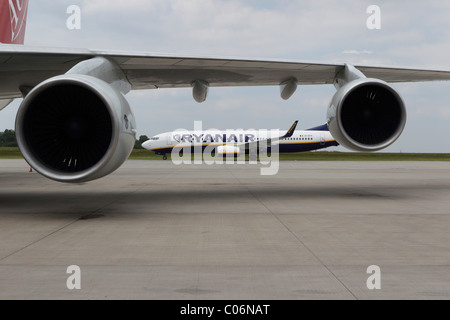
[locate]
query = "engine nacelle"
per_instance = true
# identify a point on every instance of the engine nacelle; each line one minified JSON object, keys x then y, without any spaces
{"x":222,"y":150}
{"x":366,"y":115}
{"x":75,"y":128}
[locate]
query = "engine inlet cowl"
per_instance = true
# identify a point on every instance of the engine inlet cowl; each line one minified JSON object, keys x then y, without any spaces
{"x":71,"y":128}
{"x":366,"y":115}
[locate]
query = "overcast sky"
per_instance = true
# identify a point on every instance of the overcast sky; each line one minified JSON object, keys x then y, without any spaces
{"x":413,"y":33}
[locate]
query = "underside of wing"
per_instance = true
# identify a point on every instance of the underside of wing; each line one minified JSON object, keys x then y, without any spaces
{"x":22,"y":68}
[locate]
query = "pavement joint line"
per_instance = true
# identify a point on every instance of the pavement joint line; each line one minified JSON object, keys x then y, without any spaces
{"x":57,"y":230}
{"x":69,"y":224}
{"x":294,"y":235}
{"x":42,"y":238}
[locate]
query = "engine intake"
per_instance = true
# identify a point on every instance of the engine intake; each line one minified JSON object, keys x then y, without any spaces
{"x":75,"y":128}
{"x":366,"y":115}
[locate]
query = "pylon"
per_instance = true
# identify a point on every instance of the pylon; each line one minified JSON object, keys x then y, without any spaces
{"x":31,"y":169}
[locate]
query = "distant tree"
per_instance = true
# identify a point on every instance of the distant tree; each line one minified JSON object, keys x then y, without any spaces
{"x":138,"y":143}
{"x":8,"y":139}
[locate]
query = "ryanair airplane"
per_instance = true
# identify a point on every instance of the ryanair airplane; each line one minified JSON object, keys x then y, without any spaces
{"x":239,"y":141}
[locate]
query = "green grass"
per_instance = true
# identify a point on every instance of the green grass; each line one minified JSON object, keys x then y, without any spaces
{"x":141,"y":154}
{"x":137,"y":154}
{"x":329,"y":156}
{"x":10,"y":153}
{"x":356,"y":156}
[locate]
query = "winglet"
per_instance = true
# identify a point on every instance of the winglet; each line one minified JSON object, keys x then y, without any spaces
{"x":290,"y":132}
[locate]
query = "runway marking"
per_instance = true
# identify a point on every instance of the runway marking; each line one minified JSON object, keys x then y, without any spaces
{"x":294,"y":235}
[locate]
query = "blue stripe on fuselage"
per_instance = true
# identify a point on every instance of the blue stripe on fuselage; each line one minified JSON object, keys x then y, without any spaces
{"x":283,"y":147}
{"x":303,"y":147}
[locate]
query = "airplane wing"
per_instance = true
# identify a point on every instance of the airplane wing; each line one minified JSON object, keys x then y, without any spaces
{"x":26,"y":67}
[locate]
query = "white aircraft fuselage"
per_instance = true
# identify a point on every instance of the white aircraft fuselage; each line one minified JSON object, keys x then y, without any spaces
{"x":236,"y":141}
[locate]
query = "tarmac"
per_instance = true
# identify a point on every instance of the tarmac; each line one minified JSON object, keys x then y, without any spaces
{"x":154,"y":230}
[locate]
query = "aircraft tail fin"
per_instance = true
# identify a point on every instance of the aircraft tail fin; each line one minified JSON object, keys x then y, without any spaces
{"x":291,"y":130}
{"x":13,"y":20}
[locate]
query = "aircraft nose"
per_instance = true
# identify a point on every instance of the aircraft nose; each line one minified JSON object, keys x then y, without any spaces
{"x":147,"y":145}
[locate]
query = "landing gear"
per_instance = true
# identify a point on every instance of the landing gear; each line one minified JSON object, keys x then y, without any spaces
{"x":164,"y":157}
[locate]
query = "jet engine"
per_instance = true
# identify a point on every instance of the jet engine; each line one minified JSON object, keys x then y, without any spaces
{"x":75,"y":128}
{"x":366,"y":115}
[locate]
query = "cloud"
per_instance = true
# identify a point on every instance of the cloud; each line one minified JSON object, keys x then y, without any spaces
{"x":357,"y":52}
{"x":440,"y":111}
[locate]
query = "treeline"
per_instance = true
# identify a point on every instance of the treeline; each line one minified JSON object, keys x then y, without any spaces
{"x":8,"y":139}
{"x":141,"y":140}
